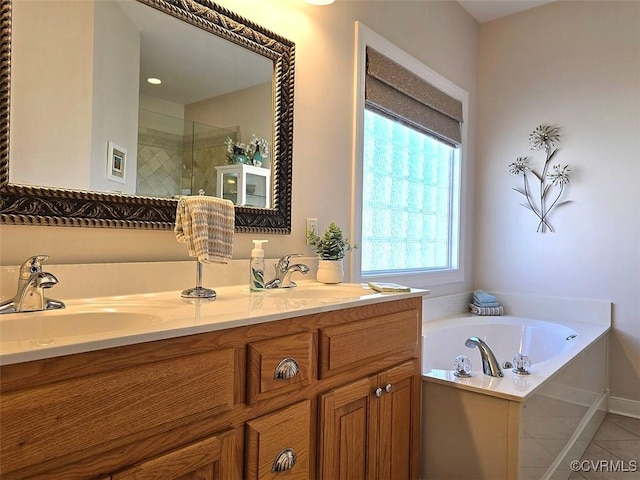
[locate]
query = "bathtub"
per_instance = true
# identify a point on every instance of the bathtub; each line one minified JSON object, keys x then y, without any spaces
{"x":518,"y":426}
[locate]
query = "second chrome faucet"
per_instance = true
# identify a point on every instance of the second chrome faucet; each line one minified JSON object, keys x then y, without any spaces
{"x":284,"y":269}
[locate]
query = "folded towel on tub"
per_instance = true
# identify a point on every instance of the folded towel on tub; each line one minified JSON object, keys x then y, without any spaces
{"x":486,"y":311}
{"x":485,"y":299}
{"x":206,"y":224}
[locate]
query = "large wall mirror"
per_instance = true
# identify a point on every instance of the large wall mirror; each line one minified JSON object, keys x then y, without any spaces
{"x":110,"y":109}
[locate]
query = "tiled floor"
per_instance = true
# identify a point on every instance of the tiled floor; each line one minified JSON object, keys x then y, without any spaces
{"x":616,"y":446}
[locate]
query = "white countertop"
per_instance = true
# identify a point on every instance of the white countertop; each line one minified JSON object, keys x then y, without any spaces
{"x":105,"y":322}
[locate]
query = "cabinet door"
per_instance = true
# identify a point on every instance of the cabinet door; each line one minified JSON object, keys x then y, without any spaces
{"x":348,"y":431}
{"x":399,"y":422}
{"x":370,"y":429}
{"x":209,"y":459}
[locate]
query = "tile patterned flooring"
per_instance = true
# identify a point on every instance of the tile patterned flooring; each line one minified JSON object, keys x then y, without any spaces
{"x":616,"y":442}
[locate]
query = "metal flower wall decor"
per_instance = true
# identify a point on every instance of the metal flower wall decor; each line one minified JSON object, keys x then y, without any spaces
{"x":551,"y":181}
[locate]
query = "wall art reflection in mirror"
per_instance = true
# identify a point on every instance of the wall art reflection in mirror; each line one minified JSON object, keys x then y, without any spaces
{"x":169,"y":84}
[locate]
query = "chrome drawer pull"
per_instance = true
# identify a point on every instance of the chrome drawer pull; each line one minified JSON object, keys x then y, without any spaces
{"x":378,"y":392}
{"x":285,"y":460}
{"x":287,"y":368}
{"x":387,"y":388}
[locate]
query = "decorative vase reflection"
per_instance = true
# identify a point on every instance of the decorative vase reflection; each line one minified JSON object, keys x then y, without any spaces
{"x":257,"y":158}
{"x":240,"y":157}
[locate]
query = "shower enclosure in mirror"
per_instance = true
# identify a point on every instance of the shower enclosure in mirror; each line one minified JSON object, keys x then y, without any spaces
{"x":178,"y":157}
{"x":78,"y":77}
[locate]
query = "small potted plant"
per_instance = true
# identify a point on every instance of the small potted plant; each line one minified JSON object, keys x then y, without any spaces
{"x":331,"y":249}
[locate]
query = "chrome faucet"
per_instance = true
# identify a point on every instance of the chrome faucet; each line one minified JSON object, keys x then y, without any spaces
{"x":284,"y":269}
{"x":32,"y":282}
{"x":490,"y":365}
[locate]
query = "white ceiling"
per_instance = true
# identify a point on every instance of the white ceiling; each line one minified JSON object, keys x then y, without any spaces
{"x":192,"y":64}
{"x":487,"y":10}
{"x":191,"y":49}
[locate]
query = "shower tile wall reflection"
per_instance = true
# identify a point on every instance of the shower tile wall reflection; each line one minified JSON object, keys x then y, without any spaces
{"x":160,"y":156}
{"x":204,"y":151}
{"x":178,"y":157}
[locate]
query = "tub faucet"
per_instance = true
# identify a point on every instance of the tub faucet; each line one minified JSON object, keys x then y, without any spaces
{"x":284,"y":269}
{"x":490,"y":365}
{"x":32,"y":282}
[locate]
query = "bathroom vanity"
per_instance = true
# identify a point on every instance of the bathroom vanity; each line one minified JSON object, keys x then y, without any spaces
{"x":327,"y":388}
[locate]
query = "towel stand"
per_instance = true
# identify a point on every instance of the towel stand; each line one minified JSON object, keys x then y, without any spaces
{"x":198,"y":291}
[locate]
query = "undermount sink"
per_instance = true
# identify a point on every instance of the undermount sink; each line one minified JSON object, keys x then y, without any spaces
{"x":321,"y":291}
{"x":46,"y":326}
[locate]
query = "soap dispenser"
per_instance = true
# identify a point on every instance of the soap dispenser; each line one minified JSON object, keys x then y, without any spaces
{"x":256,"y":267}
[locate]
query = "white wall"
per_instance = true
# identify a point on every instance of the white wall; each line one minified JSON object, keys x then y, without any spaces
{"x":441,"y":34}
{"x":250,"y":108}
{"x":164,"y":107}
{"x":63,"y":95}
{"x":575,"y":65}
{"x":115,"y":95}
{"x":51,"y":92}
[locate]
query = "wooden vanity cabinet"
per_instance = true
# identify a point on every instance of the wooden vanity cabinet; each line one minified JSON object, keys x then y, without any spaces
{"x":294,"y":398}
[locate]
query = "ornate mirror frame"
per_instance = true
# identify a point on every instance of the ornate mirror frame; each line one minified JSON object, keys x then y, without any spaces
{"x":33,"y":205}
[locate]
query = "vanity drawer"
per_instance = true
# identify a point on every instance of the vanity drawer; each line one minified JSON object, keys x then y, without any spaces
{"x":357,"y":343}
{"x":278,"y":445}
{"x":103,"y":409}
{"x":281,"y":365}
{"x":198,"y":460}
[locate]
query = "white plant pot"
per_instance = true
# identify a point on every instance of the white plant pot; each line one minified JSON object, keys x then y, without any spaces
{"x":330,"y":271}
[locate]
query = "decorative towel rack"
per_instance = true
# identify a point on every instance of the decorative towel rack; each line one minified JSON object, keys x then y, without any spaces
{"x":197,"y":292}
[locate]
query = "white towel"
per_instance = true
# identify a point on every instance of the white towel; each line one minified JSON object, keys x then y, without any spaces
{"x":206,"y":225}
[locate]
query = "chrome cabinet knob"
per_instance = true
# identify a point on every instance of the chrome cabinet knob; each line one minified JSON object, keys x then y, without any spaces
{"x":379,"y":391}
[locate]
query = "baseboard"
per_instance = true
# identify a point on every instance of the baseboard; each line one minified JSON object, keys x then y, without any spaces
{"x":624,"y":406}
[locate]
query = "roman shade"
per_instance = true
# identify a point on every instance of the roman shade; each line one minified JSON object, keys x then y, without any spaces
{"x":399,"y":94}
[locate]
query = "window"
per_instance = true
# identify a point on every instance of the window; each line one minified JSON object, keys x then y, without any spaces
{"x":408,"y":165}
{"x":407,"y":204}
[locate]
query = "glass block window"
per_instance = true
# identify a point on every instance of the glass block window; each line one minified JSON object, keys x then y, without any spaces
{"x":409,"y":214}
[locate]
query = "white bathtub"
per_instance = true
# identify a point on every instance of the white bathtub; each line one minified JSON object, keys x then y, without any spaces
{"x":549,"y":345}
{"x":518,"y":426}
